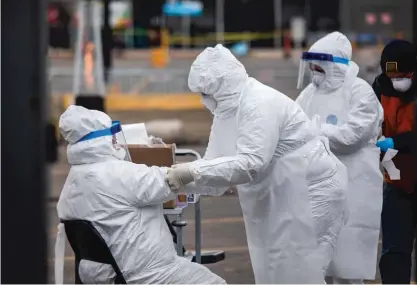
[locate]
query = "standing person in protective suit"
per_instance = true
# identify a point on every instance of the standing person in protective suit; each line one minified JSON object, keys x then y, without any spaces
{"x":396,"y":89}
{"x":123,"y":200}
{"x":262,"y":142}
{"x":350,"y":116}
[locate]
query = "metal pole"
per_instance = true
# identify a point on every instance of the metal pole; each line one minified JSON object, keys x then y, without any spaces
{"x":197,"y":218}
{"x":23,"y":154}
{"x":179,"y":230}
{"x":278,"y":23}
{"x":78,"y":59}
{"x":415,"y":42}
{"x":89,"y":93}
{"x":344,"y":15}
{"x":185,"y":31}
{"x":307,"y":12}
{"x":99,"y":67}
{"x":219,"y":21}
{"x":414,"y":31}
{"x":107,"y":40}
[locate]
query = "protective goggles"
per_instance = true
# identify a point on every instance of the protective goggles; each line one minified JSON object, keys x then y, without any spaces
{"x":118,"y":138}
{"x":323,"y":60}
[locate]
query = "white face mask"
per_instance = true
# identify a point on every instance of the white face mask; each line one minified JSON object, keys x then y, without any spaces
{"x":209,"y":102}
{"x":317,"y":77}
{"x":402,"y":84}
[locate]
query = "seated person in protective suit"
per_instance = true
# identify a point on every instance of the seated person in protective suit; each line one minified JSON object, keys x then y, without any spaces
{"x":123,"y":200}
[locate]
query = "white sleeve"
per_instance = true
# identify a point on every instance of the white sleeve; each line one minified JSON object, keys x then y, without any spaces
{"x":192,"y":188}
{"x":258,"y":135}
{"x":362,"y":125}
{"x":301,"y":99}
{"x":148,"y":185}
{"x":211,"y":153}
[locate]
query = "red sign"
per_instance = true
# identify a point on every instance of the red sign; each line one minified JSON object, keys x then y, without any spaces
{"x":370,"y":18}
{"x":386,"y":18}
{"x":53,"y":14}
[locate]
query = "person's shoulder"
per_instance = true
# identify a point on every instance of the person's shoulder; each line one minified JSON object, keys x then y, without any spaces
{"x":361,"y":83}
{"x":265,"y":102}
{"x":115,"y":170}
{"x":362,"y":89}
{"x":308,"y":90}
{"x":261,"y":94}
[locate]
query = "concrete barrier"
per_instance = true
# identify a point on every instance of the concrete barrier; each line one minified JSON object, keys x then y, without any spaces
{"x":156,"y":101}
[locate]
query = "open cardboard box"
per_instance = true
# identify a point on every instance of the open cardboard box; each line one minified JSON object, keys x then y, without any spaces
{"x":156,"y":155}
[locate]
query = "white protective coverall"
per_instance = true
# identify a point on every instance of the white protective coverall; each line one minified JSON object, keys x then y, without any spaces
{"x":123,"y":200}
{"x":263,"y":142}
{"x":351,"y":117}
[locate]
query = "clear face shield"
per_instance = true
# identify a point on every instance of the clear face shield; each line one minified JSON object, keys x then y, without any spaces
{"x":318,"y":66}
{"x":118,"y":139}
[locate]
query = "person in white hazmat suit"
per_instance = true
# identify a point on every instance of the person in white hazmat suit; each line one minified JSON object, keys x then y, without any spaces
{"x":349,"y":115}
{"x":123,"y":201}
{"x":262,"y":142}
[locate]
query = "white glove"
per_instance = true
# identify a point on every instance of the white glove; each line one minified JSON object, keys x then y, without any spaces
{"x":155,"y":140}
{"x":178,"y":176}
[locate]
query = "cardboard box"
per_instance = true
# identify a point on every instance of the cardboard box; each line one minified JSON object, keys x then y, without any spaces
{"x":155,"y":155}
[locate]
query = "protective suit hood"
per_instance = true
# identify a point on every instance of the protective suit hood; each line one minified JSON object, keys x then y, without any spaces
{"x":218,"y":74}
{"x":74,"y":124}
{"x":338,"y":45}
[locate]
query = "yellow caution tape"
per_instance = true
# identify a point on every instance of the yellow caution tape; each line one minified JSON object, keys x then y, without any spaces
{"x":212,"y":37}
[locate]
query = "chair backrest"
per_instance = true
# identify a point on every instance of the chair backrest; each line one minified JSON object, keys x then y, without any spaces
{"x":87,"y":244}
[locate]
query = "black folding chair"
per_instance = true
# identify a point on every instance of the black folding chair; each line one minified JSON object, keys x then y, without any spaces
{"x":173,"y":232}
{"x":87,"y":243}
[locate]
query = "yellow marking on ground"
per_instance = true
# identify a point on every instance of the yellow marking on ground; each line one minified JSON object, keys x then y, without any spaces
{"x":156,"y":101}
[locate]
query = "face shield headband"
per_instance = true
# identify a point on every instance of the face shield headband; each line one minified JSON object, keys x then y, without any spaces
{"x":313,"y":57}
{"x":116,"y":132}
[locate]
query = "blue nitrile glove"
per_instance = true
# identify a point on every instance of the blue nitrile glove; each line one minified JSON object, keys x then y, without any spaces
{"x":385,"y":144}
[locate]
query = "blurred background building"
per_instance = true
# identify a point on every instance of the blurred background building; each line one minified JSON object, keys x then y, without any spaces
{"x":365,"y":21}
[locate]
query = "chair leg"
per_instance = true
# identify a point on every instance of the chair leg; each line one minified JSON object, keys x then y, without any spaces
{"x":173,"y":232}
{"x":77,"y":275}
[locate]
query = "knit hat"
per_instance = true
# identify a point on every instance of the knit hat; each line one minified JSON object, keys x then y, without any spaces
{"x":399,"y":56}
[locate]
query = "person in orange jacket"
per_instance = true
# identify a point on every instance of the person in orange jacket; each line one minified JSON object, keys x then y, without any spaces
{"x":396,"y":89}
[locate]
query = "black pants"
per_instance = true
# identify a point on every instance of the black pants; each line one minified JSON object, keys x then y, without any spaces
{"x":399,"y":219}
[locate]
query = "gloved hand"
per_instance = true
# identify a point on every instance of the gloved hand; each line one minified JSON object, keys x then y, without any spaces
{"x":155,"y":140}
{"x":178,"y":176}
{"x":385,"y":144}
